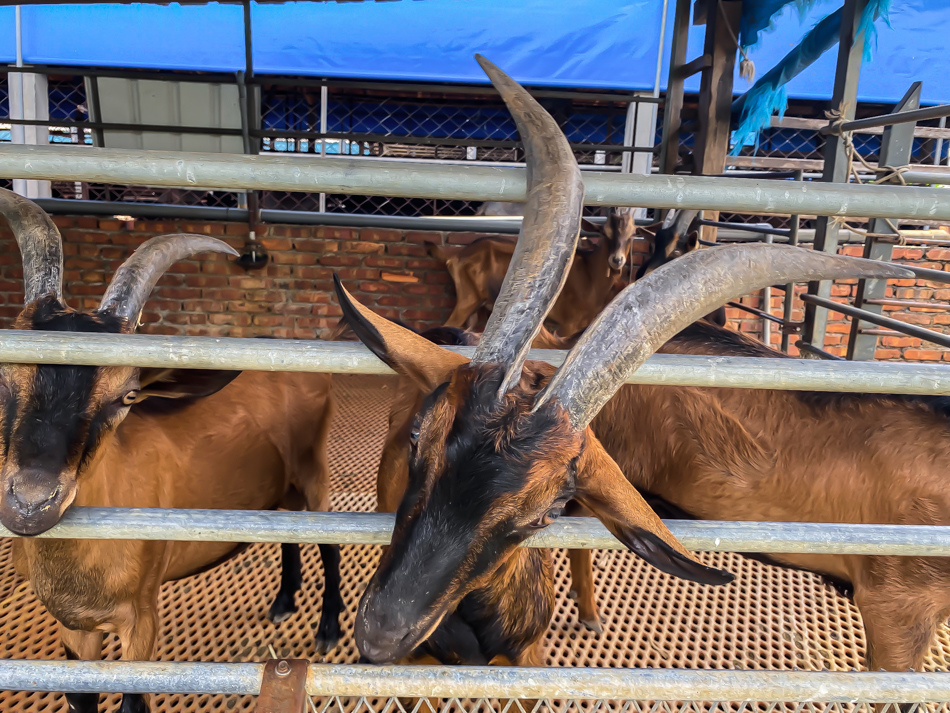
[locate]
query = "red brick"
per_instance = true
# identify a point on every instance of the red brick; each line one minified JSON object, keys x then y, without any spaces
{"x":923,"y":354}
{"x":380,"y":235}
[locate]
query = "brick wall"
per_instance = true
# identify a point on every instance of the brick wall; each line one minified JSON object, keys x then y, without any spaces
{"x":389,"y":270}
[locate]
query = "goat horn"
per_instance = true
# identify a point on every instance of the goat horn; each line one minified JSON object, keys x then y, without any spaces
{"x":134,"y":280}
{"x":548,"y":236}
{"x":655,"y":308}
{"x":41,"y":246}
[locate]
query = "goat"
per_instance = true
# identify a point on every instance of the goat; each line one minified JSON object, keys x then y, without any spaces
{"x":501,"y":446}
{"x":676,"y":235}
{"x":110,"y":436}
{"x":479,"y":269}
{"x":736,"y":454}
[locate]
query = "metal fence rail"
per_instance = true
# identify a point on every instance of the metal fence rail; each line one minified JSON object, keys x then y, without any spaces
{"x":377,"y":177}
{"x":352,"y":358}
{"x":482,"y":682}
{"x":572,"y":532}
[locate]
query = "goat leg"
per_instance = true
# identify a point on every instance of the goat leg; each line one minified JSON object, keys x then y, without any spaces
{"x":328,"y":630}
{"x":82,"y":646}
{"x":582,"y":589}
{"x":291,"y":579}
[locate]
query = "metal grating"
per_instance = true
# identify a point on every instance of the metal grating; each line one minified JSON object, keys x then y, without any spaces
{"x":770,"y":618}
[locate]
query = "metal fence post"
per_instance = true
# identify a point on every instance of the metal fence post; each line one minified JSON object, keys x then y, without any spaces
{"x":896,"y":146}
{"x":844,"y":99}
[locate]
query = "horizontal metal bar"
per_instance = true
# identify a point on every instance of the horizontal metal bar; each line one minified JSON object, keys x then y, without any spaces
{"x":483,"y":183}
{"x":621,"y":97}
{"x":85,"y":523}
{"x":757,"y":312}
{"x":931,"y":178}
{"x":353,"y":358}
{"x":911,"y":330}
{"x":112,"y":126}
{"x":906,"y":303}
{"x":902,"y":117}
{"x":429,"y":140}
{"x":820,"y":353}
{"x":880,"y":332}
{"x":926,"y":273}
{"x":361,"y":680}
{"x":760,"y":228}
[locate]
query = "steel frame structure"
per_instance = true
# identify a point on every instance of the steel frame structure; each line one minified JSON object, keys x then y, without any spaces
{"x":484,"y":183}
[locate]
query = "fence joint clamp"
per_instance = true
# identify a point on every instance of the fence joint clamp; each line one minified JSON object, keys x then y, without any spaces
{"x":283,"y":687}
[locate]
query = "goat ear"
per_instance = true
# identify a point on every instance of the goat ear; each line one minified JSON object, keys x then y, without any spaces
{"x":406,"y":352}
{"x":588,"y":227}
{"x":183,"y":383}
{"x":692,"y":241}
{"x":603,"y":489}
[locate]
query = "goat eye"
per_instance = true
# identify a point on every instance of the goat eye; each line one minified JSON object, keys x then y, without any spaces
{"x":130,"y":397}
{"x":414,"y":435}
{"x":548,"y":517}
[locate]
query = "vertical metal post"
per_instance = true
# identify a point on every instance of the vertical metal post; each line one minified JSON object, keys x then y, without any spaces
{"x":253,"y":197}
{"x":767,"y":306}
{"x":29,"y":99}
{"x":844,"y":99}
{"x":670,"y":140}
{"x":896,"y":146}
{"x":939,"y":149}
{"x":95,"y":110}
{"x":629,"y":127}
{"x":324,"y":95}
{"x":639,"y":131}
{"x":795,"y":223}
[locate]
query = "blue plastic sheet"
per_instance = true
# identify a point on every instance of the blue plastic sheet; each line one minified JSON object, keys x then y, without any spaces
{"x":575,"y":43}
{"x":584,"y":43}
{"x":913,"y":48}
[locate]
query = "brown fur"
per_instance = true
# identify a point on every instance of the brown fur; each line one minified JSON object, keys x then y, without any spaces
{"x":258,"y":444}
{"x":515,"y":602}
{"x":478,"y":271}
{"x":738,"y":454}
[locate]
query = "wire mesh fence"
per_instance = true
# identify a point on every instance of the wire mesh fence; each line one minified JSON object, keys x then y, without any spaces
{"x":438,"y":123}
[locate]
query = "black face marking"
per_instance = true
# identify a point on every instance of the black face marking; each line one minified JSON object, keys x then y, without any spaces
{"x":447,"y":536}
{"x":54,"y":426}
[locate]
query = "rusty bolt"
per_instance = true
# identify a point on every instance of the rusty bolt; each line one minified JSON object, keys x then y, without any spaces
{"x":282,"y":668}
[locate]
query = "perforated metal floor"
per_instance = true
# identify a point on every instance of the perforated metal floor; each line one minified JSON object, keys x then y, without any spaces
{"x":769,"y":618}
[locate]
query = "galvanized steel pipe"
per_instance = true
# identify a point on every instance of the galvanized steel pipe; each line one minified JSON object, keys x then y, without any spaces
{"x":482,"y":682}
{"x":573,"y":532}
{"x":353,"y":358}
{"x":480,"y":183}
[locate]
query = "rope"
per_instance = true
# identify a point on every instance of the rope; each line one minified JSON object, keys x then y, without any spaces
{"x":885,"y":174}
{"x":746,"y":65}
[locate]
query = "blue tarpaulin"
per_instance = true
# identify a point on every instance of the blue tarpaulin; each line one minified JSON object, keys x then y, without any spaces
{"x":571,"y":43}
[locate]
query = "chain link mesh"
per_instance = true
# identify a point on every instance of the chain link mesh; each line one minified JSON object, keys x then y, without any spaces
{"x":428,"y":125}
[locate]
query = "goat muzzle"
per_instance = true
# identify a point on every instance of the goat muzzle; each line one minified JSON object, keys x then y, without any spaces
{"x":34,"y":500}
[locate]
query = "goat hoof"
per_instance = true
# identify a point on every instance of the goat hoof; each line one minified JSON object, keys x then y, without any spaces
{"x":594,"y":625}
{"x":133,"y":703}
{"x":328,"y":634}
{"x":281,"y":610}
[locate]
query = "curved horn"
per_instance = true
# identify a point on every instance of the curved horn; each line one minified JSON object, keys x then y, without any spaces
{"x":41,"y":246}
{"x":134,"y":280}
{"x":652,"y":310}
{"x":548,"y":236}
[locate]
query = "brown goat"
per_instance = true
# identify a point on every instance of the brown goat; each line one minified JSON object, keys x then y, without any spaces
{"x":499,"y":446}
{"x":144,"y":438}
{"x":478,"y":271}
{"x":738,"y":454}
